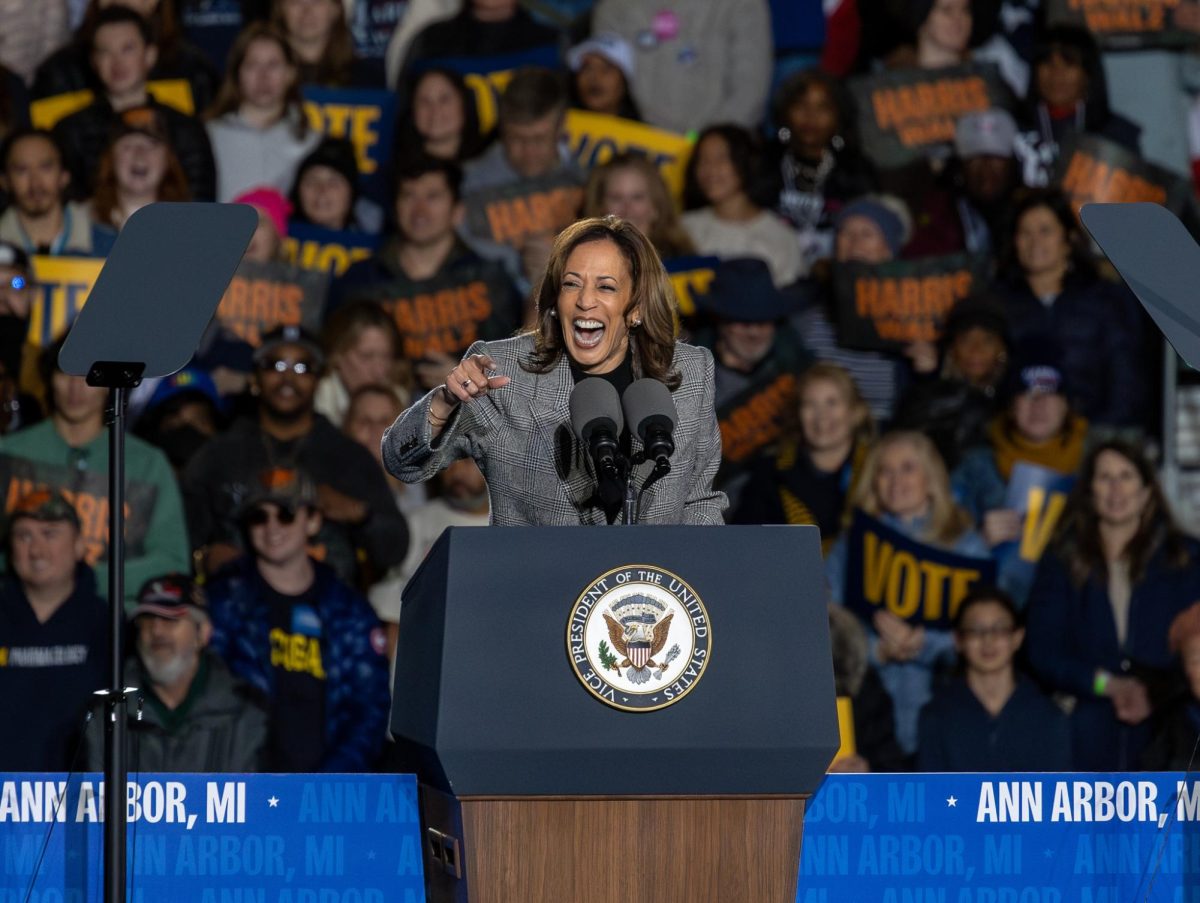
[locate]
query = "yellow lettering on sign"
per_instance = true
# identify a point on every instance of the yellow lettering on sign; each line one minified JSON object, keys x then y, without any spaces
{"x":1040,"y":522}
{"x":358,"y":124}
{"x":904,"y":577}
{"x":907,"y":586}
{"x":297,"y":653}
{"x":877,"y":558}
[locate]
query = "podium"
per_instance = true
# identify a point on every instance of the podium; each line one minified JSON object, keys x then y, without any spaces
{"x":632,"y":714}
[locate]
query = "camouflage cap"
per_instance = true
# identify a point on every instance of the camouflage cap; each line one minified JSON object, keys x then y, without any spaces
{"x":283,"y":486}
{"x":44,"y":504}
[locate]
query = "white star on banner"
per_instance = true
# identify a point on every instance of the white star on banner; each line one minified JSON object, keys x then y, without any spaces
{"x":952,"y":801}
{"x":273,"y":802}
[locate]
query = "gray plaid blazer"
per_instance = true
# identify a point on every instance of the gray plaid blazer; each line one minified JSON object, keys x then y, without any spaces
{"x":538,"y":473}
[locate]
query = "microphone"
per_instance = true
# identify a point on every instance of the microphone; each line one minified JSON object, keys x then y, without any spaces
{"x":596,"y":420}
{"x":650,"y":411}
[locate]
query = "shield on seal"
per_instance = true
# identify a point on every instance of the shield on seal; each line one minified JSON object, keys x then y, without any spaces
{"x":639,"y":654}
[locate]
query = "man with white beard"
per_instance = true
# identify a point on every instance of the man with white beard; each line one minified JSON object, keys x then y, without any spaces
{"x":196,"y":716}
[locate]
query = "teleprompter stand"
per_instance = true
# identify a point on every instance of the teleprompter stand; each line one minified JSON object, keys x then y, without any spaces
{"x":145,"y":315}
{"x":534,"y":790}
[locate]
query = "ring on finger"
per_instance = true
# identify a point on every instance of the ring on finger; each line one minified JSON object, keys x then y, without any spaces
{"x":466,"y":384}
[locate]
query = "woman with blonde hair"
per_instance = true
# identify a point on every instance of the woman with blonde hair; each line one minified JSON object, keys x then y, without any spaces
{"x":605,"y":308}
{"x":819,"y":464}
{"x":363,"y":345}
{"x":630,"y":186}
{"x":904,"y":485}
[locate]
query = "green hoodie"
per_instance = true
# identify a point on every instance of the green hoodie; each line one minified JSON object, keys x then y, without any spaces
{"x":156,"y":540}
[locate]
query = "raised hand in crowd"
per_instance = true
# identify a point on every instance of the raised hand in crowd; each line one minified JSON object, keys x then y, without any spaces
{"x":1129,"y":698}
{"x":899,"y":641}
{"x":339,"y":507}
{"x":1001,"y":525}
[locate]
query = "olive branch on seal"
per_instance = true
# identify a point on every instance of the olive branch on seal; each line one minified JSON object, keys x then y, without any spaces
{"x":607,"y":659}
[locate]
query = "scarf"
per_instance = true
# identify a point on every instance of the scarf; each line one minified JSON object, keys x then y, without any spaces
{"x":1062,"y":453}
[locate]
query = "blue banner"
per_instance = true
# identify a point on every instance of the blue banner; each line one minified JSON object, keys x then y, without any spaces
{"x":938,"y":838}
{"x":326,"y":250}
{"x":1039,"y":495}
{"x":213,"y":838}
{"x":979,"y":838}
{"x":918,"y":583}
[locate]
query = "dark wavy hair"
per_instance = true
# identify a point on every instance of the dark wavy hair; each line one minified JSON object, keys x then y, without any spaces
{"x":652,"y":344}
{"x":1056,"y":202}
{"x":746,"y":155}
{"x":1059,"y":38}
{"x":796,"y":86}
{"x":1077,"y":539}
{"x":410,"y":145}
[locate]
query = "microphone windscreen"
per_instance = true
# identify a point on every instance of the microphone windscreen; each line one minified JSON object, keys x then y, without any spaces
{"x":594,"y":402}
{"x":648,"y":400}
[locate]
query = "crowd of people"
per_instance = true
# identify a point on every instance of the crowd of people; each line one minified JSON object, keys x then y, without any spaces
{"x":269,"y":537}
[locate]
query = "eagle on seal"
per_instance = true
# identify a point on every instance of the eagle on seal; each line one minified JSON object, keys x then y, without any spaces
{"x":638,"y":641}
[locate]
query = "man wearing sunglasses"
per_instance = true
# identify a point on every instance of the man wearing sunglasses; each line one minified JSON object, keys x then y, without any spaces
{"x":312,"y":645}
{"x":357,"y":508}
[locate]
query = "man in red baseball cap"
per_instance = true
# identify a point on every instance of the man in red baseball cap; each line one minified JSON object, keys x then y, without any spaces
{"x":196,"y":715}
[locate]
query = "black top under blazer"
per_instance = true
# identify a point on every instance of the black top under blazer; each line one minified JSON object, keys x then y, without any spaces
{"x":538,"y":473}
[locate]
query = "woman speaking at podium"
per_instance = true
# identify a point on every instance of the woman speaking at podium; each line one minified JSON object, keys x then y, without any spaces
{"x":605,"y":308}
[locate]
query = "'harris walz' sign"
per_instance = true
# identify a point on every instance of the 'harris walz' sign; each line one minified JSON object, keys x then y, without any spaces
{"x":918,"y":583}
{"x":1124,"y":24}
{"x":511,"y":214}
{"x":262,"y":296}
{"x":1092,"y":169}
{"x":905,"y":114}
{"x":883,"y":307}
{"x":448,"y":313}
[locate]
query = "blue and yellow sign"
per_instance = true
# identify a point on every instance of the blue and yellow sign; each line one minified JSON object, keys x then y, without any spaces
{"x":595,"y":139}
{"x":63,"y":286}
{"x":487,"y":76}
{"x":918,"y":583}
{"x":366,"y":117}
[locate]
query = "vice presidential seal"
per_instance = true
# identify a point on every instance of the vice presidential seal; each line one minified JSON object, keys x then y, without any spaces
{"x":639,"y":638}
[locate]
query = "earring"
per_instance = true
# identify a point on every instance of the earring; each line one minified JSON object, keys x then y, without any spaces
{"x":635,"y":324}
{"x":554,"y":313}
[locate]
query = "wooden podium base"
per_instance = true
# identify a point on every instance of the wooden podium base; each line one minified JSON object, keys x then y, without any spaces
{"x":597,"y":850}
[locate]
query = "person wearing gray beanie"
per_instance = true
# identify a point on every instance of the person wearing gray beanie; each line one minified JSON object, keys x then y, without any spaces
{"x":887,"y":214}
